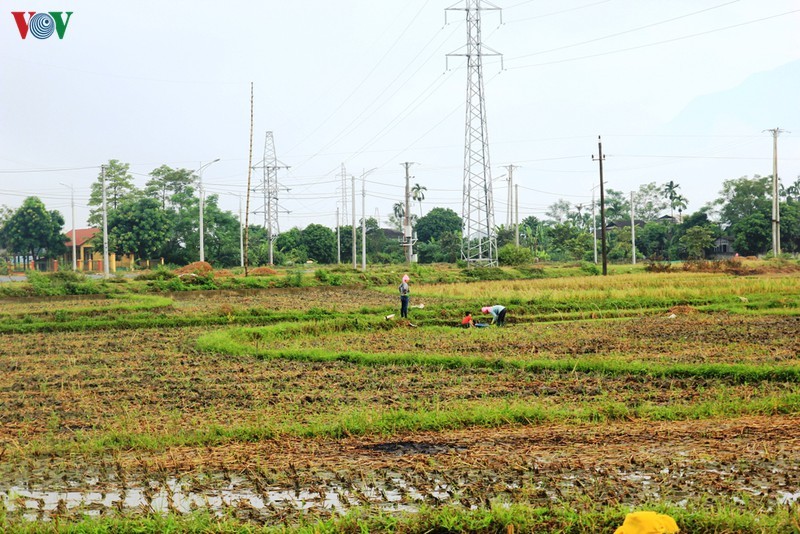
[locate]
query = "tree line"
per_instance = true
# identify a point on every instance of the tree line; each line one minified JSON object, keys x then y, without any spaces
{"x":161,"y":220}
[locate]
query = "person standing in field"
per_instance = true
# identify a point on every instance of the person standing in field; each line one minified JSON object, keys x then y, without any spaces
{"x":405,"y":291}
{"x":498,"y":314}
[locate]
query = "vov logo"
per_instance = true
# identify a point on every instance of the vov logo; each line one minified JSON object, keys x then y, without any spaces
{"x":42,"y":25}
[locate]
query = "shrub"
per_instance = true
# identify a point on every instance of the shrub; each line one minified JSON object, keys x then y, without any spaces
{"x":159,"y":273}
{"x":511,"y":254}
{"x":590,"y":268}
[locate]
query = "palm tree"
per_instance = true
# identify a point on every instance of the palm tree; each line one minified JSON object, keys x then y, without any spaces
{"x":670,"y":192}
{"x":417,"y":193}
{"x":679,"y":203}
{"x":399,"y":210}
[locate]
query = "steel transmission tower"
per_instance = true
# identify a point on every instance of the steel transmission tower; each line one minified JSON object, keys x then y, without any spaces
{"x":479,"y":243}
{"x":269,"y":188}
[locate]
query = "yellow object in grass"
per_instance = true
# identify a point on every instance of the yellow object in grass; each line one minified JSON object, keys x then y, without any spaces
{"x":646,"y":522}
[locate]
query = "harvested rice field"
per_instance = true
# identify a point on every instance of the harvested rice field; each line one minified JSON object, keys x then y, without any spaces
{"x":306,"y":408}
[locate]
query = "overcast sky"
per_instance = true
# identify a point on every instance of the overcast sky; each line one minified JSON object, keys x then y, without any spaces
{"x":679,"y":90}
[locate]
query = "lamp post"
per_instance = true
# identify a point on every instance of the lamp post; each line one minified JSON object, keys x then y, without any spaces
{"x":199,"y":172}
{"x":74,"y":246}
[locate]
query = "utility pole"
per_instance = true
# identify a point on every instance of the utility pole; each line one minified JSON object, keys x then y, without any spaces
{"x":202,"y":208}
{"x":633,"y":232}
{"x":338,"y":239}
{"x":364,"y":218}
{"x":479,"y":239}
{"x":353,"y":187}
{"x":344,"y":192}
{"x":249,"y":174}
{"x":776,"y":210}
{"x":509,"y":210}
{"x":599,"y":159}
{"x":516,"y":215}
{"x":594,"y":226}
{"x":408,"y":238}
{"x":241,"y":233}
{"x":363,"y":222}
{"x":74,"y":245}
{"x":105,"y":223}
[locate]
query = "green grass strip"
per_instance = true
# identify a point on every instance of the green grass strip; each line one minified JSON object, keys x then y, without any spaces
{"x":497,"y":517}
{"x":244,"y":341}
{"x":361,"y":422}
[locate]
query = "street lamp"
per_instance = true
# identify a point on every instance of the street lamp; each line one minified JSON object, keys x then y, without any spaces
{"x":199,"y":172}
{"x":74,"y":246}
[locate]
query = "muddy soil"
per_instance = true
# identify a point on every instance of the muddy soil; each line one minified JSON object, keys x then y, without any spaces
{"x":752,"y":462}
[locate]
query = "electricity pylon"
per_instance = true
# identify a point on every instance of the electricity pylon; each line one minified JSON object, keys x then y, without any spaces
{"x":269,"y":188}
{"x":479,"y":243}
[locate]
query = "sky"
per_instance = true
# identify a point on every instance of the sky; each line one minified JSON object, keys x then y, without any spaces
{"x":679,"y":90}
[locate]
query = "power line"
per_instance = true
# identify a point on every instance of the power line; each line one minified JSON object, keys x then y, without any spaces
{"x":674,"y":39}
{"x":632,"y":30}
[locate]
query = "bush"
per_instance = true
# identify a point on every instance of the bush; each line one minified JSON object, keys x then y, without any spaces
{"x":159,"y":273}
{"x":513,"y":255}
{"x":590,"y":268}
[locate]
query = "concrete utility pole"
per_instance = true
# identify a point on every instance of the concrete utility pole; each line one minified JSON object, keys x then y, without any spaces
{"x":74,"y":245}
{"x":364,"y":218}
{"x":105,"y":223}
{"x":776,"y":210}
{"x":338,"y":239}
{"x":594,"y":226}
{"x":249,"y":175}
{"x":633,"y":232}
{"x":408,"y":238}
{"x":516,"y":215}
{"x":241,"y":233}
{"x":599,"y":159}
{"x":353,"y":187}
{"x":510,"y":169}
{"x":202,"y":208}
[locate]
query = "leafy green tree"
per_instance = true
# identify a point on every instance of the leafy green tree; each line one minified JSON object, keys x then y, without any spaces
{"x":119,"y":187}
{"x":438,"y":222}
{"x":653,"y":239}
{"x":139,"y":227}
{"x":790,"y":227}
{"x":752,"y":234}
{"x":648,"y":202}
{"x":696,"y":241}
{"x":221,"y":235}
{"x":742,"y":197}
{"x":290,"y":245}
{"x":559,"y":210}
{"x":320,"y":243}
{"x":166,"y":182}
{"x":562,"y":244}
{"x":792,"y":192}
{"x":617,"y":206}
{"x":35,"y":232}
{"x":505,"y":235}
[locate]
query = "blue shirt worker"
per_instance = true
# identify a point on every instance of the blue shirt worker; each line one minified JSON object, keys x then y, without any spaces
{"x":498,"y":314}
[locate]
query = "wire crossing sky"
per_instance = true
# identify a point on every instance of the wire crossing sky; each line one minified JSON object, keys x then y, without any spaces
{"x":680,"y":90}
